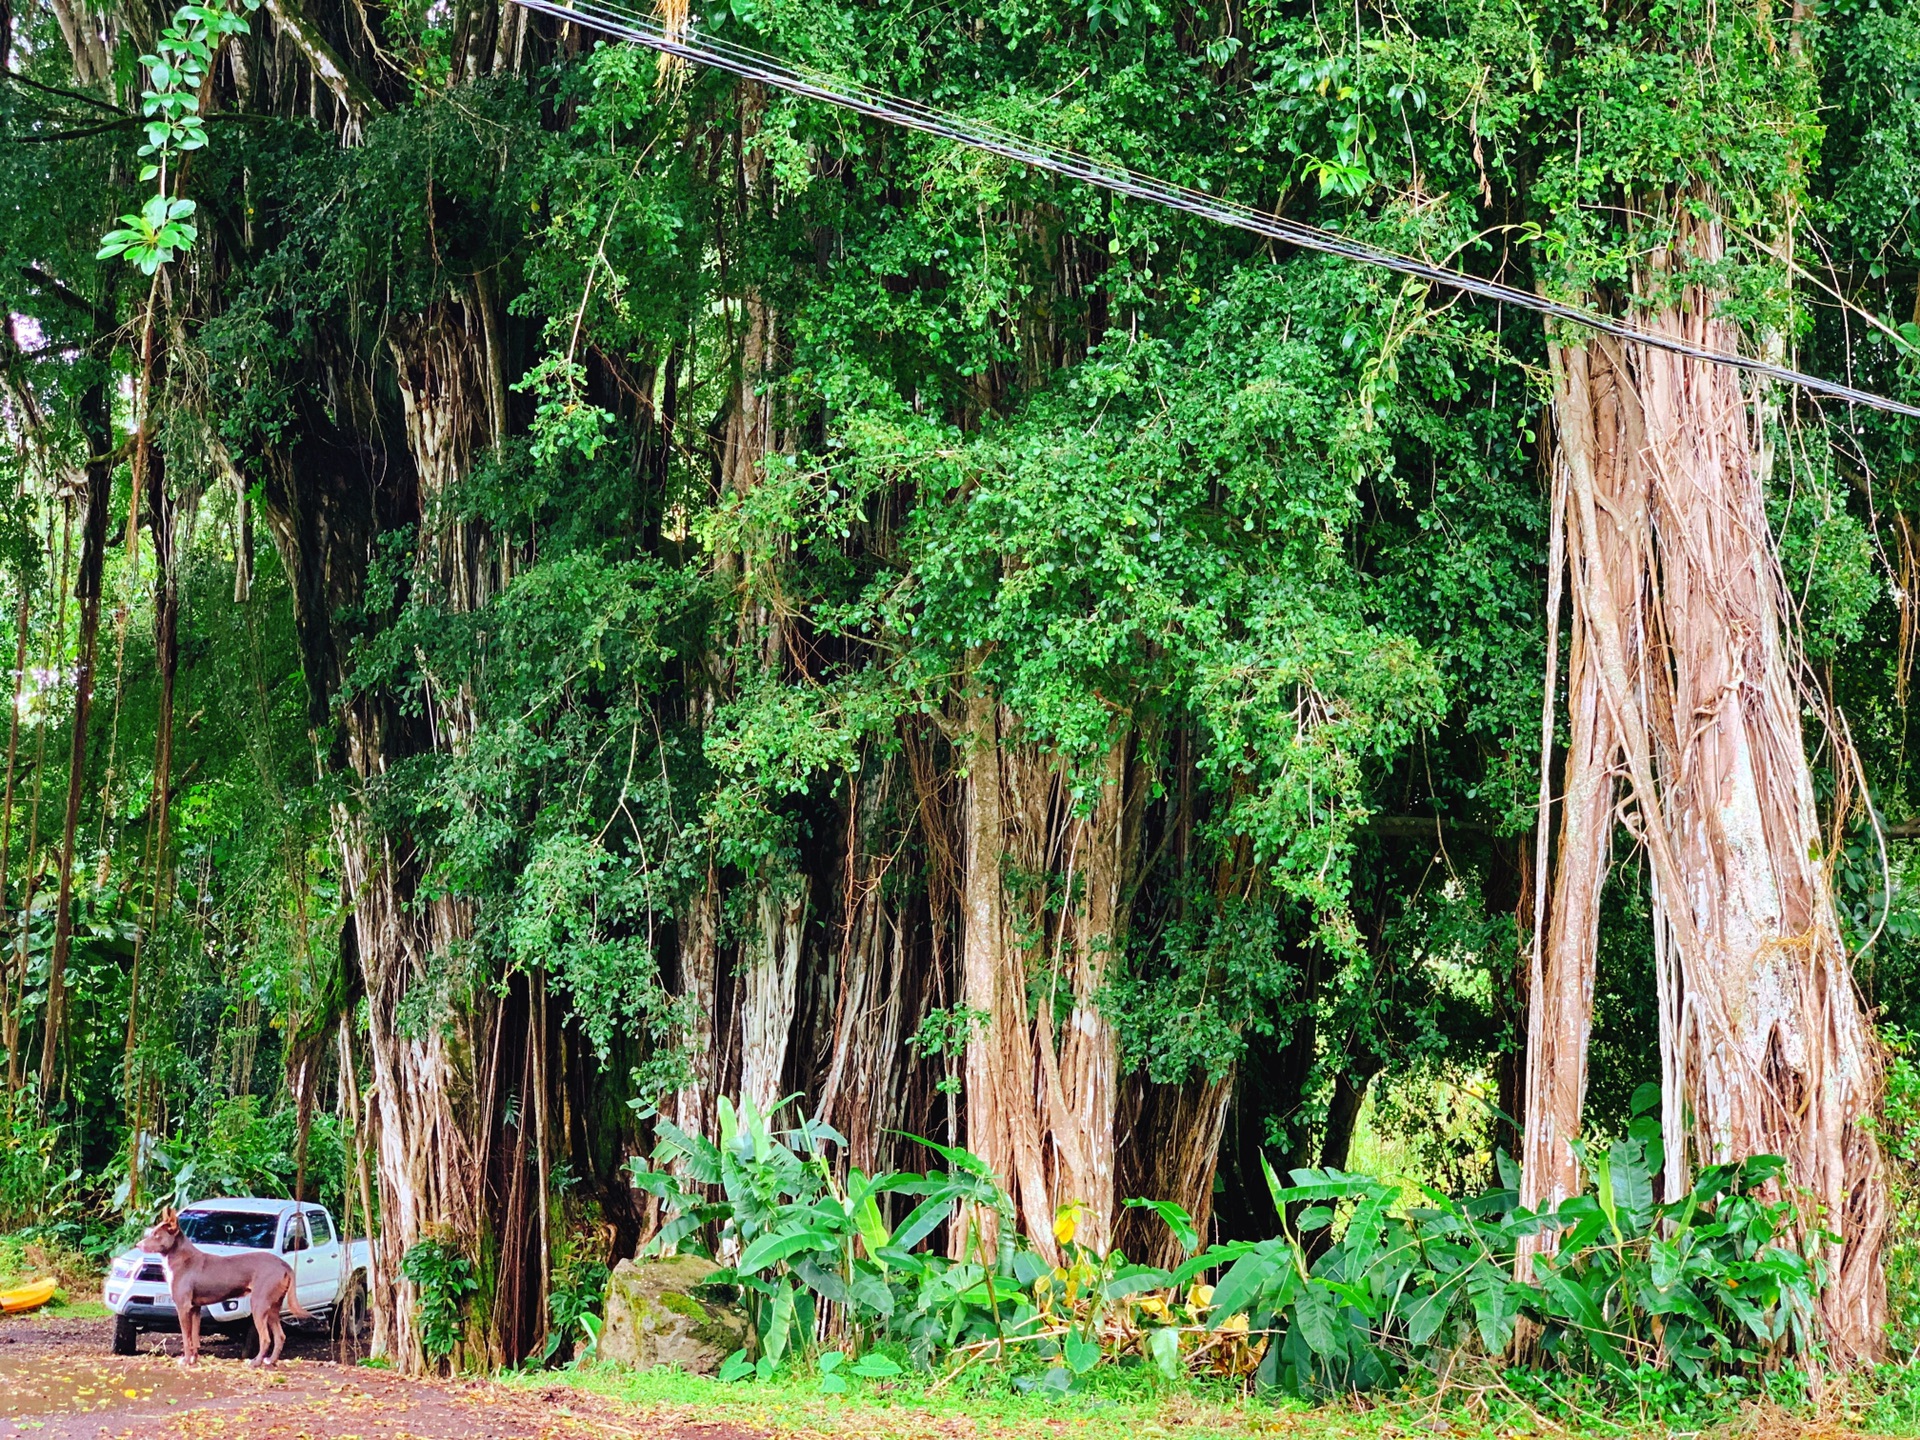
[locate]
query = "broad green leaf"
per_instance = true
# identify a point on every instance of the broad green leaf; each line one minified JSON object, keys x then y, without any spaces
{"x":1163,"y":1346}
{"x":772,"y":1249}
{"x":1317,"y":1314}
{"x":1177,"y":1220}
{"x":1080,"y":1353}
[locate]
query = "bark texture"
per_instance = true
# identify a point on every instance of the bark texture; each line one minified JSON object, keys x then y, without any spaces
{"x":1687,"y":645}
{"x":1041,"y":1106}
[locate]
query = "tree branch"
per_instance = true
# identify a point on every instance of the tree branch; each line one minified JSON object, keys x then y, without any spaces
{"x":124,"y":123}
{"x":84,"y":99}
{"x":349,"y":89}
{"x":68,"y":296}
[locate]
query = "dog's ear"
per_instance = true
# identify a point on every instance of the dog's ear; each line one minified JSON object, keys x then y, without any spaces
{"x":168,"y":1218}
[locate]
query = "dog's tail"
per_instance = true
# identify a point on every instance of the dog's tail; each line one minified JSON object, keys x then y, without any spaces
{"x":295,"y":1308}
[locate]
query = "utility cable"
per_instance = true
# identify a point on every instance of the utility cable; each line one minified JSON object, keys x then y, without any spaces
{"x":614,"y":19}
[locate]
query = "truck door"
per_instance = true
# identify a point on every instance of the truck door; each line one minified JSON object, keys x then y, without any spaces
{"x":294,"y":1249}
{"x":319,"y":1274}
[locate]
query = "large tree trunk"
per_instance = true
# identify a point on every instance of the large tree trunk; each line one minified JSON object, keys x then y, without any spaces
{"x":1041,"y":1107}
{"x":1773,"y":1047}
{"x":693,"y":1104}
{"x":1001,"y":1127}
{"x":435,"y":1122}
{"x":879,"y":996}
{"x":770,"y":978}
{"x":1592,"y":439}
{"x":1083,"y":1087}
{"x":1762,"y":1031}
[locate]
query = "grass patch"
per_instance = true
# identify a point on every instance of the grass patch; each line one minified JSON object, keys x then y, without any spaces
{"x":1119,"y":1406}
{"x":1134,"y":1405}
{"x":62,"y":1309}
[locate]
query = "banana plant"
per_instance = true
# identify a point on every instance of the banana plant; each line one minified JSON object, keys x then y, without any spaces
{"x":796,"y":1237}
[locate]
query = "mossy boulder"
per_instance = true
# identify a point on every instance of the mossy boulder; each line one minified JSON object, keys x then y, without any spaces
{"x":660,"y":1312}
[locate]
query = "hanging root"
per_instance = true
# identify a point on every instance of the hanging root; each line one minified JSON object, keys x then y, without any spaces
{"x":675,"y":20}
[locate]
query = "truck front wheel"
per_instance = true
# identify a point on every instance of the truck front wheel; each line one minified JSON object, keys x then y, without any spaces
{"x":126,"y":1339}
{"x":350,"y":1317}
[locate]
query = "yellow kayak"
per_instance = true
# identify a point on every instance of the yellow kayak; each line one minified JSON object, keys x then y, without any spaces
{"x":30,"y":1296}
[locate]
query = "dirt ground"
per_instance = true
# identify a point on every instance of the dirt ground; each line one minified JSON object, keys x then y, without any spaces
{"x":59,"y":1381}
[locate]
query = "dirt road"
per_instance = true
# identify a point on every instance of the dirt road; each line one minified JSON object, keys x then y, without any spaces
{"x":58,"y":1381}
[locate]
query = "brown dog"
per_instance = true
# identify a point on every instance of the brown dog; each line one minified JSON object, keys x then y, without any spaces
{"x":197,"y":1278}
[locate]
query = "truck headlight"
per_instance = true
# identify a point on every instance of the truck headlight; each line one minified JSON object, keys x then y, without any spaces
{"x":124,"y":1267}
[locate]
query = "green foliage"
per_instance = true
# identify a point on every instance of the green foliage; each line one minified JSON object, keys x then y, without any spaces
{"x":1899,"y":1134}
{"x":575,"y":1292}
{"x":237,"y":1150}
{"x":150,"y":238}
{"x":38,"y":1184}
{"x":443,"y":1284}
{"x":176,"y":76}
{"x":800,"y":1239}
{"x":1704,"y":1285}
{"x":1357,"y":1292}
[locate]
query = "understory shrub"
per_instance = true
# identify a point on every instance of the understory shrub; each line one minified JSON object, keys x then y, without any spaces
{"x":1356,"y":1292}
{"x":443,"y":1281}
{"x":1899,"y":1132}
{"x":233,"y":1149}
{"x":39,"y":1185}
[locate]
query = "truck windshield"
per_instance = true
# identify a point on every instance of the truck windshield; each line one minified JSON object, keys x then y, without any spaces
{"x":229,"y":1227}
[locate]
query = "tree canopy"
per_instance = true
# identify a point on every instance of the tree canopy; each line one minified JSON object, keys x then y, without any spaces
{"x":567,"y":587}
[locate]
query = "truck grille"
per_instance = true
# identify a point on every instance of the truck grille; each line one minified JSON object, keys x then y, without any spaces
{"x":153,"y":1274}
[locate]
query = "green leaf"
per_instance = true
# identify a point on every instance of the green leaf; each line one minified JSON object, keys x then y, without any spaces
{"x":873,"y":1229}
{"x":875,"y":1366}
{"x":925,"y":1218}
{"x":771,"y":1249}
{"x":1577,"y":1309}
{"x":1080,"y":1353}
{"x":1135,"y":1280}
{"x":871,"y":1294}
{"x":1177,"y":1220}
{"x":959,"y":1159}
{"x":778,"y":1325}
{"x":1249,"y":1277}
{"x":1631,"y":1183}
{"x":1496,"y":1304}
{"x":1317,"y":1314}
{"x":1163,"y":1346}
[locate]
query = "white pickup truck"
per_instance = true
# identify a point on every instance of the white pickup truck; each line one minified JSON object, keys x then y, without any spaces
{"x":329,"y":1273}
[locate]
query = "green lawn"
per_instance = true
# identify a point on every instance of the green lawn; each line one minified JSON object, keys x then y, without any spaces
{"x":1131,"y":1406}
{"x":1122,"y":1408}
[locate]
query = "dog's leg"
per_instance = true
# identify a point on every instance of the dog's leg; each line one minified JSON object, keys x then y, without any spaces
{"x":279,"y":1324}
{"x":262,"y":1332}
{"x":189,"y":1330}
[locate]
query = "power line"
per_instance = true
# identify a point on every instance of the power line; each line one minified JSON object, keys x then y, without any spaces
{"x":614,"y":19}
